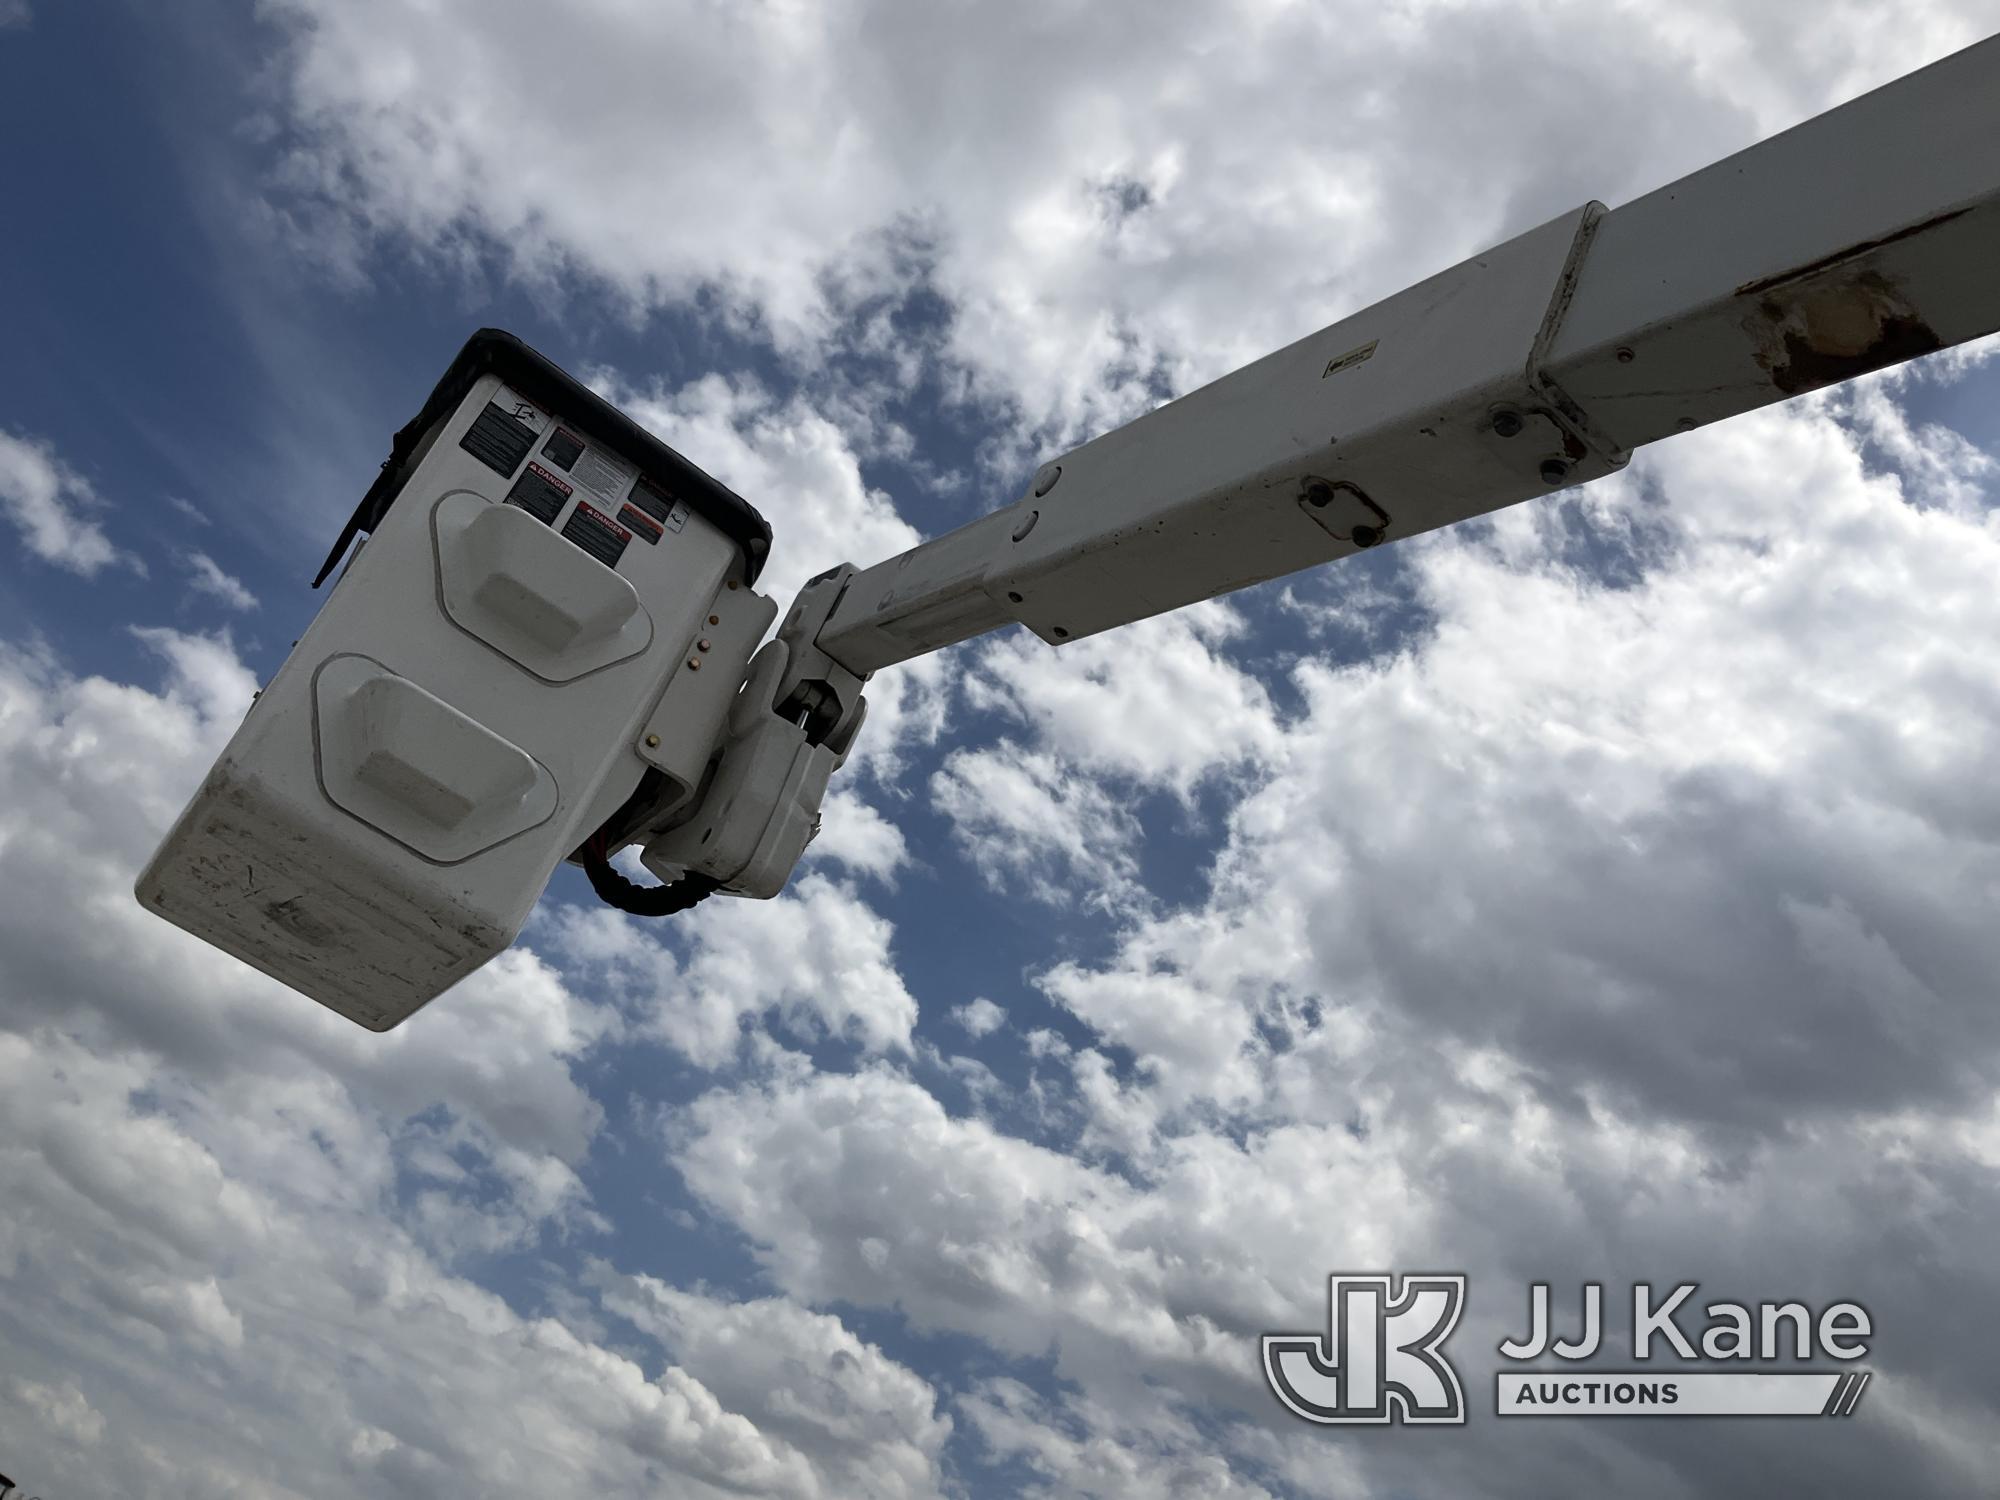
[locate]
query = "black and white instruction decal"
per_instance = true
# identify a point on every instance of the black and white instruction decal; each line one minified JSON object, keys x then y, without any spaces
{"x":602,"y":474}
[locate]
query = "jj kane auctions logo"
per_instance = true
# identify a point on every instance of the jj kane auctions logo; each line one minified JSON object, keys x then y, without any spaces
{"x":1382,"y":1357}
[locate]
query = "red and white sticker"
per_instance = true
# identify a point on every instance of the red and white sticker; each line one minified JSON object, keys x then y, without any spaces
{"x":562,"y":484}
{"x":585,"y":508}
{"x":648,"y":529}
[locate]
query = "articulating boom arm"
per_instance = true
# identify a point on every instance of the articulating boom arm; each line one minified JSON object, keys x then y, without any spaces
{"x":1862,"y":238}
{"x":1859,"y":239}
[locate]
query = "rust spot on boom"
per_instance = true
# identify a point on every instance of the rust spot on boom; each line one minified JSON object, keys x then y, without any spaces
{"x":1830,"y":323}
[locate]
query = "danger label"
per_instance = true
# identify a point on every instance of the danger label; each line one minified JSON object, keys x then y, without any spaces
{"x":562,"y":484}
{"x":597,"y":534}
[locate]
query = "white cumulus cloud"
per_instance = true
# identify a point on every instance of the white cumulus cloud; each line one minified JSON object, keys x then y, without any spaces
{"x":206,"y":577}
{"x":50,"y":504}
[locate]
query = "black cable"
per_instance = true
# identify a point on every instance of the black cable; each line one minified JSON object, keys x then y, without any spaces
{"x":643,"y":900}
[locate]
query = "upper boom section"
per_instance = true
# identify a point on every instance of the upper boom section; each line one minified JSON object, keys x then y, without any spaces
{"x":1864,"y":237}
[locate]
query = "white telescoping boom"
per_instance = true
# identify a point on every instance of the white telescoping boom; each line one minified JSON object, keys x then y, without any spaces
{"x":484,"y":695}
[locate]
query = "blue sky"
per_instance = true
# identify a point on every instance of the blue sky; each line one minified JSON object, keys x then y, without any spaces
{"x":1601,"y":890}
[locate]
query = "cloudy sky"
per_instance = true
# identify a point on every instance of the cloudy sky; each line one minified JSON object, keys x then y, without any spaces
{"x":1602,"y":891}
